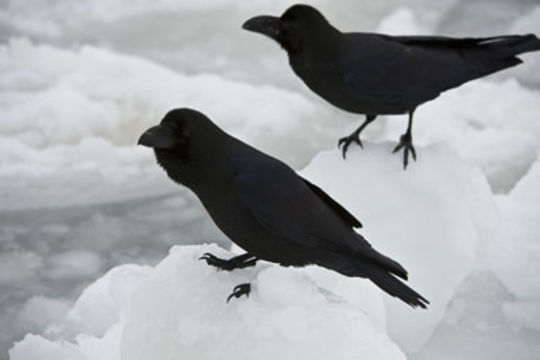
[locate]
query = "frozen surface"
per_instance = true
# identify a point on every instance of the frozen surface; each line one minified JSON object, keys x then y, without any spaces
{"x":154,"y":313}
{"x":476,"y":327}
{"x":514,"y":256}
{"x":177,"y":310}
{"x":397,"y":208}
{"x":73,"y":118}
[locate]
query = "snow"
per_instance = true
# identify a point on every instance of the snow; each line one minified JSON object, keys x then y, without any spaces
{"x":177,"y":310}
{"x":397,"y":209}
{"x":73,"y":117}
{"x":514,"y":256}
{"x":35,"y":345}
{"x":502,"y":139}
{"x":178,"y":307}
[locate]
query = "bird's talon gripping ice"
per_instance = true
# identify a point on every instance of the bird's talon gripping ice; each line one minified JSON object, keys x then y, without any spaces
{"x":239,"y":290}
{"x":237,"y":262}
{"x":346,"y":141}
{"x":405,"y":143}
{"x":343,"y":144}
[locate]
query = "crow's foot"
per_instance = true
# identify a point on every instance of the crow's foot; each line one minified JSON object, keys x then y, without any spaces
{"x":237,"y":262}
{"x":346,"y":141}
{"x":405,"y":143}
{"x":239,"y":290}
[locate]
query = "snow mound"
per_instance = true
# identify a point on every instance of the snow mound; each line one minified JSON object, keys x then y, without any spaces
{"x":177,"y":310}
{"x":436,"y":212}
{"x":514,"y":255}
{"x":53,"y":96}
{"x":430,"y":218}
{"x":492,"y":125}
{"x":71,"y":120}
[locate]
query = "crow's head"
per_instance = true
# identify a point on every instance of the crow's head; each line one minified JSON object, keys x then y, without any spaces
{"x":291,"y":29}
{"x":183,"y":141}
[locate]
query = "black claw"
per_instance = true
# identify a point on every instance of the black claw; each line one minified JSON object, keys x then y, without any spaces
{"x":251,"y":262}
{"x":237,"y":262}
{"x":239,"y":290}
{"x":213,"y":260}
{"x":405,"y":158}
{"x":405,"y":143}
{"x":355,"y":136}
{"x":343,"y":143}
{"x":346,"y":141}
{"x":397,"y":148}
{"x":207,"y":256}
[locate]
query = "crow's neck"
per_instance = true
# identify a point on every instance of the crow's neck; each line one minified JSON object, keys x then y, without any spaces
{"x":196,"y":175}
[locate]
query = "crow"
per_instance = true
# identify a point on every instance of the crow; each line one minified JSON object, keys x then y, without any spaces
{"x":263,"y":206}
{"x":376,"y":74}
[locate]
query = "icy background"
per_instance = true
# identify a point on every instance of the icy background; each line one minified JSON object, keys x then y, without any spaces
{"x":80,"y":80}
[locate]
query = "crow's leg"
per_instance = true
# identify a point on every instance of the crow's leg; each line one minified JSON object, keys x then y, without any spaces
{"x":405,"y":143}
{"x":237,"y":262}
{"x":239,"y":290}
{"x":344,"y":142}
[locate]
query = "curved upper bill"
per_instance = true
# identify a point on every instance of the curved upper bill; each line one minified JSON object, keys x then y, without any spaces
{"x":157,"y":137}
{"x":267,"y":25}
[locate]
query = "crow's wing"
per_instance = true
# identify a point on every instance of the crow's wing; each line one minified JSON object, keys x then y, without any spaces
{"x":289,"y":207}
{"x":500,"y":46}
{"x":343,"y":213}
{"x":472,"y":57}
{"x":378,"y":69}
{"x":415,"y":69}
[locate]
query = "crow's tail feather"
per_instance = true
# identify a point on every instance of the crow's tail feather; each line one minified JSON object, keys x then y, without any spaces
{"x":396,"y":288}
{"x":386,"y":263}
{"x":510,"y":45}
{"x":376,"y":272}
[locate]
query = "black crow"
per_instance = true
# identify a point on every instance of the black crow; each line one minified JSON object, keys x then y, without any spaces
{"x":262,"y":205}
{"x":377,"y":74}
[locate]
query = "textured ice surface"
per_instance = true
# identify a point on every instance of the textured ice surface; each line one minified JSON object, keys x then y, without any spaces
{"x":430,"y":218}
{"x":493,"y":125}
{"x":177,"y":310}
{"x":514,"y":255}
{"x":71,"y":120}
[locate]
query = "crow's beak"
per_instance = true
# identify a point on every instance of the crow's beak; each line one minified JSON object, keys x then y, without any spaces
{"x":267,"y":25}
{"x":158,"y":137}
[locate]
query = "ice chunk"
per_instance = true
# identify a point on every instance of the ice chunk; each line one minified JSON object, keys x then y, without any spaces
{"x":514,"y":255}
{"x":102,"y":303}
{"x":524,"y":313}
{"x":180,"y":309}
{"x":493,"y":125}
{"x":177,"y":310}
{"x":476,"y":326}
{"x":71,"y":120}
{"x":430,"y":218}
{"x":36,"y":347}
